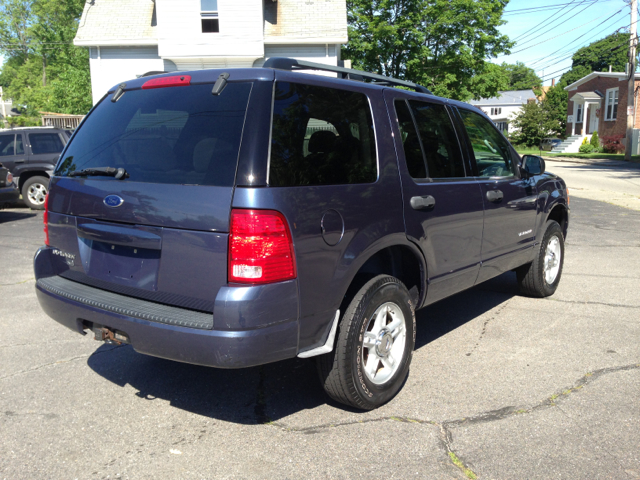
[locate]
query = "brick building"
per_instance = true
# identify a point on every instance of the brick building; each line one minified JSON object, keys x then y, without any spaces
{"x":597,"y":102}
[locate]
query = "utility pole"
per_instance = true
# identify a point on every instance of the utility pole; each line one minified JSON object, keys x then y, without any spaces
{"x":631,"y":111}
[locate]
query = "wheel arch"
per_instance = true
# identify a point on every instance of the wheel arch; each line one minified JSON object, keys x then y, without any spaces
{"x":401,"y":260}
{"x":559,"y":213}
{"x":24,"y":176}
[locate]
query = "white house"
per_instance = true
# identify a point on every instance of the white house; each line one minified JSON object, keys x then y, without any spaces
{"x":128,"y":38}
{"x":502,"y":108}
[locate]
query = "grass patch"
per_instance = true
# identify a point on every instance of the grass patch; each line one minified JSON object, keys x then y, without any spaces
{"x":456,"y":461}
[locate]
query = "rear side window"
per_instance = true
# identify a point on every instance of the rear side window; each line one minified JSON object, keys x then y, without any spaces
{"x":19,"y":145}
{"x":173,"y":135}
{"x":439,"y":141}
{"x":7,"y":145}
{"x":45,"y":143}
{"x":321,"y":136}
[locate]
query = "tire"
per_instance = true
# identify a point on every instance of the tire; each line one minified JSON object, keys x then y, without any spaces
{"x":371,"y":358}
{"x":34,"y":191}
{"x":541,"y":277}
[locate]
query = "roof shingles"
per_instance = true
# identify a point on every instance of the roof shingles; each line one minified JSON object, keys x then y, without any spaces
{"x":109,"y":20}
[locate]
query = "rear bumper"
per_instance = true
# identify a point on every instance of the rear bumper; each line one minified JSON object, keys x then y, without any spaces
{"x":268,"y":310}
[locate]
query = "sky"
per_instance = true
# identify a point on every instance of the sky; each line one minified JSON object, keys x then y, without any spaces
{"x":551,"y":31}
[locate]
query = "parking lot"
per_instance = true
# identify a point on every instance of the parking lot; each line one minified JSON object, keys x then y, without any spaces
{"x":501,"y":386}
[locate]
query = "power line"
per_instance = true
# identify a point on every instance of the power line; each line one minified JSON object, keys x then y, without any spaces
{"x":539,"y":9}
{"x":544,"y":41}
{"x":551,"y":59}
{"x":549,"y":56}
{"x":525,"y":34}
{"x":555,"y":60}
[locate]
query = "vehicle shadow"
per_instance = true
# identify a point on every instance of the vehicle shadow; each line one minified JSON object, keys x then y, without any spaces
{"x":14,"y":213}
{"x":271,"y":392}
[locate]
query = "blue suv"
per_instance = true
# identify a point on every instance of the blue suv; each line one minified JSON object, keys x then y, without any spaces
{"x":236,"y":218}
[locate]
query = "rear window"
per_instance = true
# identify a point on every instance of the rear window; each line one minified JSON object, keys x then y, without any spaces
{"x":321,"y":136}
{"x":179,"y":135}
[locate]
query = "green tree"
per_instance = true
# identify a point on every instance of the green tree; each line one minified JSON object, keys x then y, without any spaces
{"x":520,"y":76}
{"x":536,"y":121}
{"x":529,"y":125}
{"x":441,"y":44}
{"x":43,"y":70}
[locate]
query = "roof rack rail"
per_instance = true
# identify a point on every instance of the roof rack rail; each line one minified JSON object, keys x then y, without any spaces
{"x":291,"y":64}
{"x":152,"y":72}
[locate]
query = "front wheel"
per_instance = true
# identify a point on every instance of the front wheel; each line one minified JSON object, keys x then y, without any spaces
{"x":541,"y":277}
{"x":371,"y":358}
{"x":34,"y":192}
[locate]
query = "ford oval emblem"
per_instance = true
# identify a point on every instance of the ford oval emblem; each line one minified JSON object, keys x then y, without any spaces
{"x":113,"y":201}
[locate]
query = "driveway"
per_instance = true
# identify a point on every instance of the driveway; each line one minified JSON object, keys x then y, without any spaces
{"x":501,"y":386}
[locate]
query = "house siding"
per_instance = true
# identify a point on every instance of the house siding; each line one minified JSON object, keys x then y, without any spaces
{"x":180,"y":31}
{"x":112,"y":65}
{"x":605,"y":127}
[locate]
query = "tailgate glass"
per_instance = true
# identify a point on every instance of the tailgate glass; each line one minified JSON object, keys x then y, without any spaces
{"x":180,"y":135}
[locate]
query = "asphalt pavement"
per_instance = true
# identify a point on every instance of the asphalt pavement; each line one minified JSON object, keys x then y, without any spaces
{"x":501,"y":386}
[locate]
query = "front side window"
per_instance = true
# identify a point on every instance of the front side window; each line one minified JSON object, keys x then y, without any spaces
{"x":7,"y":145}
{"x":492,"y":152}
{"x":321,"y":136}
{"x":611,"y":106}
{"x":171,"y":135}
{"x":45,"y":143}
{"x":209,"y":16}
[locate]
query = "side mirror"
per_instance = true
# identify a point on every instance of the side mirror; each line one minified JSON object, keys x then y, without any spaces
{"x":532,"y":165}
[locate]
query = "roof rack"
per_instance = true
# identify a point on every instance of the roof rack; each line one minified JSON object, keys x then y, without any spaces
{"x":291,"y":64}
{"x":152,"y":72}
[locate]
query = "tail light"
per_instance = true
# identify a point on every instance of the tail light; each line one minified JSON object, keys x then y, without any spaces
{"x":9,"y":180}
{"x":260,"y":247}
{"x":45,"y":220}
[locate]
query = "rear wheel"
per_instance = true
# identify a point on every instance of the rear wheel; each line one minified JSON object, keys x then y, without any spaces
{"x":541,"y":277}
{"x":371,"y":358}
{"x":34,"y":192}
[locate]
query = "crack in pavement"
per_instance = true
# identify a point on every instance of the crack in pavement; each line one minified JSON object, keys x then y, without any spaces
{"x":599,"y":276}
{"x":59,"y":362}
{"x":591,"y":303}
{"x":484,"y":326}
{"x":17,"y":283}
{"x":47,"y":416}
{"x":445,"y":426}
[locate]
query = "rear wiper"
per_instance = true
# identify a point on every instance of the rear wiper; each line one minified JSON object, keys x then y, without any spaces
{"x":119,"y":173}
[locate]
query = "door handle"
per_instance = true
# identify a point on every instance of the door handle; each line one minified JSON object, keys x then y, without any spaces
{"x":426,"y":202}
{"x":19,"y":161}
{"x":495,"y":196}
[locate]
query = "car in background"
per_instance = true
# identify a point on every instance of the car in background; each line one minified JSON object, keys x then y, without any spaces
{"x":30,"y":154}
{"x":8,"y":191}
{"x":549,"y":144}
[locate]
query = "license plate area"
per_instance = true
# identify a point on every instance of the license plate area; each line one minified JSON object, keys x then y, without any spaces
{"x":124,"y":265}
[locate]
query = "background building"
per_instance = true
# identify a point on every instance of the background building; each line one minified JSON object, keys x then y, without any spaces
{"x":128,"y":38}
{"x":502,"y":108}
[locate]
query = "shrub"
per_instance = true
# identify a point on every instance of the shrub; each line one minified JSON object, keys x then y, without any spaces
{"x":586,"y":148}
{"x":612,"y":143}
{"x":585,"y":140}
{"x":595,"y":141}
